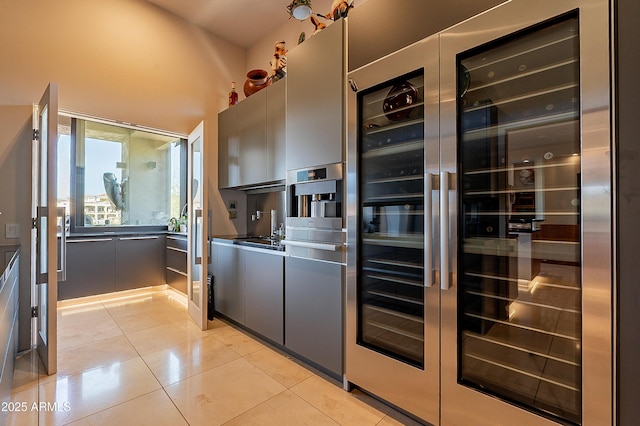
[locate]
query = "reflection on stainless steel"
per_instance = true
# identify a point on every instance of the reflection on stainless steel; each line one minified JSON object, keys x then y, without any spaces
{"x":314,"y":224}
{"x":529,"y":318}
{"x":392,"y":309}
{"x":515,"y":319}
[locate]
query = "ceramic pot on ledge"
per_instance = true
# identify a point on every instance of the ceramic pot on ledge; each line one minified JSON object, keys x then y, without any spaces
{"x":256,"y":80}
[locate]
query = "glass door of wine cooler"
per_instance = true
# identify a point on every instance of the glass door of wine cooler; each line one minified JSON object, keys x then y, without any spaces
{"x":525,"y":165}
{"x":391,"y":188}
{"x":392,"y":305}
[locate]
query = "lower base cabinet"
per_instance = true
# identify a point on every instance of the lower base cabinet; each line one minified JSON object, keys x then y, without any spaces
{"x":264,"y":294}
{"x":296,"y":303}
{"x":176,"y":262}
{"x":104,"y":265}
{"x":139,"y":262}
{"x":314,"y":312}
{"x":91,"y":268}
{"x":228,"y":288}
{"x":248,"y":288}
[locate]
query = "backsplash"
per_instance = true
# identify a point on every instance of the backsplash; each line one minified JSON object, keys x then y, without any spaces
{"x":265,"y":202}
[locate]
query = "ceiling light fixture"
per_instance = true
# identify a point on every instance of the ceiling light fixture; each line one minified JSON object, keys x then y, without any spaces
{"x":300,"y":9}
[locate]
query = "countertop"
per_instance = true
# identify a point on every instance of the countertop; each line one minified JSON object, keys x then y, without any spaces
{"x":243,"y":241}
{"x":105,"y":234}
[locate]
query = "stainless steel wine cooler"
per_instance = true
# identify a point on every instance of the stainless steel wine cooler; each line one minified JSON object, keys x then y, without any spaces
{"x":479,"y":285}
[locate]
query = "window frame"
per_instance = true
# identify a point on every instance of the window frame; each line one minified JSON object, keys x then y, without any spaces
{"x":76,"y":183}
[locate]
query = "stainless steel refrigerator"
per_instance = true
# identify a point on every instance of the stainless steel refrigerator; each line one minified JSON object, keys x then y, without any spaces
{"x":479,"y":259}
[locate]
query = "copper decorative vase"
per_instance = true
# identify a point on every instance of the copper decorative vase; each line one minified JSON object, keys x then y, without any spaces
{"x":256,"y":80}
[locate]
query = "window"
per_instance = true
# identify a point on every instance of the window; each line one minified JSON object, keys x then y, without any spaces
{"x":118,"y":176}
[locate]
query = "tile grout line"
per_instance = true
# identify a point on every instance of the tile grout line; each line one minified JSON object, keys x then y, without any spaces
{"x":200,"y":337}
{"x":148,"y":367}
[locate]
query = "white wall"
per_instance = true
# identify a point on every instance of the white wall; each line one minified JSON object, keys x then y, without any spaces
{"x":126,"y":60}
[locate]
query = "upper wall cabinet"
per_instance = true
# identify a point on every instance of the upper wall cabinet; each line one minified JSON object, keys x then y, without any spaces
{"x":405,"y":22}
{"x":228,"y":148}
{"x":251,"y":139}
{"x":315,"y":99}
{"x":252,"y":135}
{"x":276,"y":136}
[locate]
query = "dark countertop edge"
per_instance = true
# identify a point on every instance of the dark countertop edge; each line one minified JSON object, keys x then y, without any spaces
{"x":228,"y":240}
{"x":108,"y":234}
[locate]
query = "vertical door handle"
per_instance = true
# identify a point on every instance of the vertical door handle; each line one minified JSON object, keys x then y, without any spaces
{"x":428,"y":231}
{"x":62,"y":272}
{"x":41,"y":245}
{"x":209,"y":235}
{"x":196,"y":247}
{"x":445,"y":283}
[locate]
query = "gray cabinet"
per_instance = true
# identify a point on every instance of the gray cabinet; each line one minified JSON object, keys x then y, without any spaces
{"x":139,"y":262}
{"x":228,"y":288}
{"x":98,"y":265}
{"x":264,"y":294}
{"x":315,"y":99}
{"x":228,"y":148}
{"x":405,"y":22}
{"x":251,"y":139}
{"x":176,"y":262}
{"x":314,"y":311}
{"x":91,"y":268}
{"x":252,"y":128}
{"x":276,"y":131}
{"x":249,"y":288}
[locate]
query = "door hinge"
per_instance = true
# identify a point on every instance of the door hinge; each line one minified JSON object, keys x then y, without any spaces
{"x":34,"y":223}
{"x":36,"y":134}
{"x":34,"y":312}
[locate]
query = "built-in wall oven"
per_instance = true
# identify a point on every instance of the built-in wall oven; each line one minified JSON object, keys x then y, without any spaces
{"x":479,"y":242}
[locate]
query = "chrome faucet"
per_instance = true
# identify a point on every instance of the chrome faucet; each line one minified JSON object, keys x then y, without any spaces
{"x":274,"y":220}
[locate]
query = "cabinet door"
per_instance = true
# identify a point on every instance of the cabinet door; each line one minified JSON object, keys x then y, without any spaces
{"x":313,"y":312}
{"x":176,"y":262}
{"x":228,"y":287}
{"x":315,"y":92}
{"x":276,"y":131}
{"x":139,"y":262}
{"x":264,"y":275}
{"x":228,"y":148}
{"x":91,"y":268}
{"x":252,"y":122}
{"x":415,"y":20}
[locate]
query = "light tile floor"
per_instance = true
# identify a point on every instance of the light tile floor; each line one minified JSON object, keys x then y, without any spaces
{"x":140,"y":360}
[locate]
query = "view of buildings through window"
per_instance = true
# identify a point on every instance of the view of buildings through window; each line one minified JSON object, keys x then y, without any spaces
{"x":118,"y":176}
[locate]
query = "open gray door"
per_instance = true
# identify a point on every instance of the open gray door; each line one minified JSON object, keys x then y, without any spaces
{"x":48,"y":236}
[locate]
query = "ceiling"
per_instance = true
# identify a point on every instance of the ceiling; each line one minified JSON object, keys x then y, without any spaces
{"x":242,"y":22}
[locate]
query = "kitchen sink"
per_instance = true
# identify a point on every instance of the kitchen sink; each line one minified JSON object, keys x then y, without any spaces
{"x":260,"y":242}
